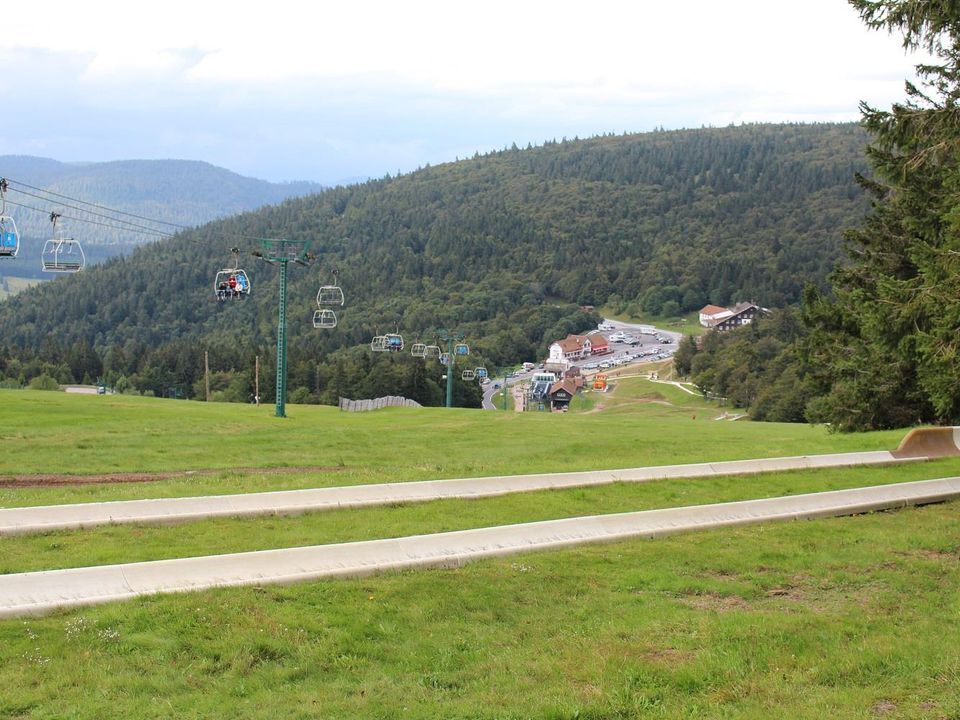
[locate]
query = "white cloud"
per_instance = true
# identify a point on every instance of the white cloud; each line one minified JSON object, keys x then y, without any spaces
{"x":179,"y":78}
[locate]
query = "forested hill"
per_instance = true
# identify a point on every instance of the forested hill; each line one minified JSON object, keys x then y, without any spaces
{"x":181,"y":192}
{"x":502,"y":246}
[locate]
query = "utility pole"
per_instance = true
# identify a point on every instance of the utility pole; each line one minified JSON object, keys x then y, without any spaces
{"x":283,"y":252}
{"x":256,"y":380}
{"x":206,"y":374}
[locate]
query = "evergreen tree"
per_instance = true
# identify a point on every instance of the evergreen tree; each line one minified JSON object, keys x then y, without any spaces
{"x":887,"y":344}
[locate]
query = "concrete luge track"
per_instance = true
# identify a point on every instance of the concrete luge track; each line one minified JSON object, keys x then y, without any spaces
{"x":40,"y":592}
{"x":290,"y":502}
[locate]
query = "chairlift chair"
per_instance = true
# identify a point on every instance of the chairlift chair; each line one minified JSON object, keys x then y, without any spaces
{"x":60,"y":254}
{"x":9,"y":237}
{"x":232,"y":282}
{"x":461,"y":349}
{"x":330,"y":295}
{"x":418,"y":350}
{"x":325,"y":318}
{"x":394,"y":342}
{"x":468,"y":375}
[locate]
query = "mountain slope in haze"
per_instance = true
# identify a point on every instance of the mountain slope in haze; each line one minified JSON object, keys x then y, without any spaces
{"x":502,"y":247}
{"x":182,"y":193}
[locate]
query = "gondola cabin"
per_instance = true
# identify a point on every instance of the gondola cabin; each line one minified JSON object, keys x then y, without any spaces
{"x":418,"y":350}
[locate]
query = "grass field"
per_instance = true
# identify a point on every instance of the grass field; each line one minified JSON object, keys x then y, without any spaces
{"x":10,"y":286}
{"x":848,"y":618}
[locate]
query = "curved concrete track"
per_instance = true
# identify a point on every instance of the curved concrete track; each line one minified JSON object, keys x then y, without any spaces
{"x":39,"y":592}
{"x":290,"y":502}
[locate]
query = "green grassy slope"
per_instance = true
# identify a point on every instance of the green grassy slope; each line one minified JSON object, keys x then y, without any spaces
{"x":846,"y":618}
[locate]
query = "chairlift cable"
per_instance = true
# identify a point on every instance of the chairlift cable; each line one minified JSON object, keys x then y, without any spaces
{"x":124,"y":225}
{"x":44,"y":211}
{"x":96,"y":205}
{"x":99,"y":215}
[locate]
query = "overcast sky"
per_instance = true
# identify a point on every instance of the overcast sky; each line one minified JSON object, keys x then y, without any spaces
{"x":335,"y":92}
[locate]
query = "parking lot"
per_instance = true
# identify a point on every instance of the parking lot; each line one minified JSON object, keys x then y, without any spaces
{"x":631,"y":344}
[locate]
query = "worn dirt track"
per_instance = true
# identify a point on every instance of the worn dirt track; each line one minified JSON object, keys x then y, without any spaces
{"x":53,"y":480}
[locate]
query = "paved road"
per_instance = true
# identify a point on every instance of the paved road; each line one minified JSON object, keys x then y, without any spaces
{"x":40,"y":592}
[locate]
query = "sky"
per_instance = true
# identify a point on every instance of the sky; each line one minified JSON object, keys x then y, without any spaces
{"x":288,"y":90}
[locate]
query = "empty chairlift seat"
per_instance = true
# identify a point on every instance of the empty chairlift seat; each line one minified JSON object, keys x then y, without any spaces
{"x":62,"y":255}
{"x":325,"y":318}
{"x":330,"y":295}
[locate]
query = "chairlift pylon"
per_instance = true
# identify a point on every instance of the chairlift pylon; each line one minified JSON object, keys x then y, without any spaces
{"x":324,"y":319}
{"x":60,"y":254}
{"x":232,"y":282}
{"x":9,"y":237}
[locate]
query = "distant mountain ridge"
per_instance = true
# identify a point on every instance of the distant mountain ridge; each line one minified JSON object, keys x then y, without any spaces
{"x":183,"y":193}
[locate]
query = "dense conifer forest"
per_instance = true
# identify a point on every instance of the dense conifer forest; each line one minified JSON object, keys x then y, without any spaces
{"x":503,"y":247}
